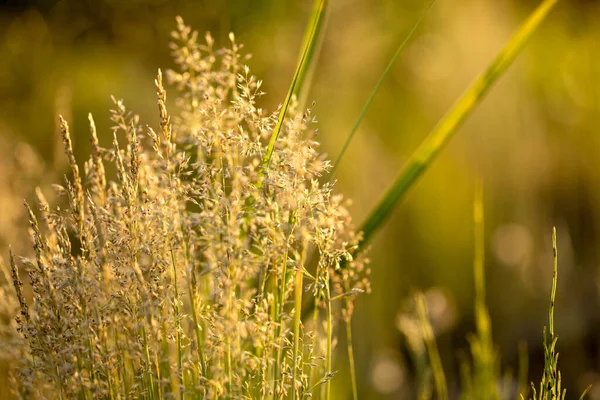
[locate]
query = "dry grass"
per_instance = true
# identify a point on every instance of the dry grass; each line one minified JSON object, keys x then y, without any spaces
{"x":183,"y":278}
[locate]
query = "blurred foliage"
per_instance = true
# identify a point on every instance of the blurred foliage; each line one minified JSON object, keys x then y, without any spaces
{"x":534,"y":141}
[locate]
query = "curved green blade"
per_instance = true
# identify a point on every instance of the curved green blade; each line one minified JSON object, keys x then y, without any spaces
{"x":311,"y":45}
{"x":312,"y":42}
{"x":375,"y":90}
{"x":422,"y":158}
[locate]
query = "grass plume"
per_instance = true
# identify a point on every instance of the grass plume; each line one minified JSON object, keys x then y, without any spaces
{"x":150,"y":283}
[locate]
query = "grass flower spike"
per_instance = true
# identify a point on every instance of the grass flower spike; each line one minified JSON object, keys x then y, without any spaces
{"x":158,"y":280}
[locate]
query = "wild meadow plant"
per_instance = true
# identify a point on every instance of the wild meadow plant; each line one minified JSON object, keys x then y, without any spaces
{"x":185,"y":276}
{"x":181,"y":263}
{"x":480,"y":370}
{"x":20,"y":168}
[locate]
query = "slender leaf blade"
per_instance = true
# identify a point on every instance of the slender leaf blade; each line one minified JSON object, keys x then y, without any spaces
{"x":422,"y":158}
{"x":376,"y":89}
{"x":313,"y":49}
{"x":308,"y":53}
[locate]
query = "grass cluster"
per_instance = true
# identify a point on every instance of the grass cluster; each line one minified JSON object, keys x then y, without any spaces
{"x":185,"y":276}
{"x":208,"y":257}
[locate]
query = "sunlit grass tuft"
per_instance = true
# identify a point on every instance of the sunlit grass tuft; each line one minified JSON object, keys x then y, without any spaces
{"x":160,"y":282}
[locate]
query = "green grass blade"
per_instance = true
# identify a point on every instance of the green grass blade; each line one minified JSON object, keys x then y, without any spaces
{"x":375,"y":90}
{"x":587,"y":389}
{"x":554,"y":282}
{"x":435,"y":361}
{"x":313,"y":40}
{"x":298,"y":81}
{"x":422,"y":158}
{"x":523,"y":371}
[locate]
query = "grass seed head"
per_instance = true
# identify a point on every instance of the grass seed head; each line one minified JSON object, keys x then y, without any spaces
{"x":176,"y":275}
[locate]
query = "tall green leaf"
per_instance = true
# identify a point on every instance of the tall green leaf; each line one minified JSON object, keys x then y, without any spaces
{"x":313,"y":40}
{"x":422,"y":158}
{"x":309,"y":52}
{"x":375,"y":90}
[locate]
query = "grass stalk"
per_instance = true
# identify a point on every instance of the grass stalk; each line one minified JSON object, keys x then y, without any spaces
{"x":159,"y":384}
{"x":194,"y":311}
{"x":479,"y":259}
{"x":424,"y":155}
{"x":351,"y":366}
{"x":297,"y":82}
{"x":229,"y":365}
{"x":554,"y":283}
{"x":435,"y":361}
{"x":523,"y":370}
{"x":276,"y":316}
{"x":122,"y":367}
{"x":484,"y":375}
{"x":314,"y":378}
{"x":367,"y":104}
{"x":148,"y":369}
{"x":551,"y":386}
{"x":329,"y":334}
{"x":165,"y":366}
{"x":298,"y":290}
{"x":312,"y":42}
{"x":193,"y":290}
{"x":177,"y":324}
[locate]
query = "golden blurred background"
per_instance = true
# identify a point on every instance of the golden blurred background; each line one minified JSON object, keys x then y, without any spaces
{"x":534,"y":141}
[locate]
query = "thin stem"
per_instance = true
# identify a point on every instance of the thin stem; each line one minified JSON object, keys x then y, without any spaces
{"x":314,"y":375}
{"x":375,"y":90}
{"x":276,"y":317}
{"x":147,"y":369}
{"x":177,"y":324}
{"x":554,"y":282}
{"x":297,"y":81}
{"x":523,"y":370}
{"x":478,"y":264}
{"x":313,"y":40}
{"x":351,"y":358}
{"x":329,"y":333}
{"x":298,"y":290}
{"x":193,"y":305}
{"x":439,"y":377}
